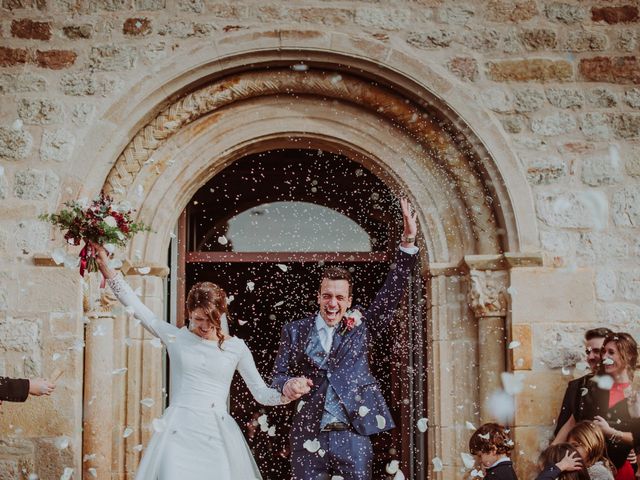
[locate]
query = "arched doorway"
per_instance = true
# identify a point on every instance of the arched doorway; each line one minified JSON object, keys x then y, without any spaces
{"x":264,"y":228}
{"x":396,"y":115}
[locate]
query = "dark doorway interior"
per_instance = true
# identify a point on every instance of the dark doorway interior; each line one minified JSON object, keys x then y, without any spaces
{"x":274,"y":280}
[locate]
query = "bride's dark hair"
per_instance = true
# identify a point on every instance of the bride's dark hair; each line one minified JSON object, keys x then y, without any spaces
{"x":213,"y":301}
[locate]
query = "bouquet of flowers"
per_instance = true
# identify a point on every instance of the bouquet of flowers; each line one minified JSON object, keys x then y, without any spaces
{"x":100,"y":222}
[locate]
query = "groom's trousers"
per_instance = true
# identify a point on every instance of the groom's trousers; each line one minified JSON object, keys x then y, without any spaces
{"x":343,"y":453}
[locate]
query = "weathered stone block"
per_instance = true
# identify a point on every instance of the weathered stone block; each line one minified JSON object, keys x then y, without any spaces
{"x":55,"y":59}
{"x":565,"y":97}
{"x":137,"y":26}
{"x":26,"y":28}
{"x":580,"y":209}
{"x":566,"y":13}
{"x":384,"y":18}
{"x":614,"y":15}
{"x":481,"y":39}
{"x":557,"y":242}
{"x":631,"y":97}
{"x":456,"y":15}
{"x":497,"y":99}
{"x":539,"y":39}
{"x":62,"y":287}
{"x":627,"y":40}
{"x":544,"y":168}
{"x":606,"y":285}
{"x":40,"y":111}
{"x":629,"y":288}
{"x":585,"y":41}
{"x":595,"y":125}
{"x":511,"y":10}
{"x":627,"y":125}
{"x":602,"y":98}
{"x":32,"y":184}
{"x":548,"y":296}
{"x":603,"y":168}
{"x":31,"y":236}
{"x":150,"y":5}
{"x":20,"y":335}
{"x":4,"y":186}
{"x":19,"y":4}
{"x":528,"y":100}
{"x":521,"y":357}
{"x":558,"y":345}
{"x":15,"y":144}
{"x":513,"y":123}
{"x":75,"y":32}
{"x":57,"y":145}
{"x":539,"y":69}
{"x":613,"y":70}
{"x":626,"y":206}
{"x":600,"y":248}
{"x":10,"y":57}
{"x":113,"y":58}
{"x":51,"y":460}
{"x":620,"y":317}
{"x":110,"y":5}
{"x":79,"y":84}
{"x":82,"y":113}
{"x":21,"y":83}
{"x":192,"y":6}
{"x":632,"y":162}
{"x":465,"y":68}
{"x":557,"y":123}
{"x":430,"y":39}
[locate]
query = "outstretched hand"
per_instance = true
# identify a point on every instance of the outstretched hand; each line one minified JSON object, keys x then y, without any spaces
{"x":297,"y":387}
{"x":40,"y":386}
{"x":570,"y":463}
{"x":102,"y":259}
{"x":409,"y":221}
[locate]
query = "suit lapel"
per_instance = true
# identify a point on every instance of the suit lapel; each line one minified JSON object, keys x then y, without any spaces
{"x":306,"y":329}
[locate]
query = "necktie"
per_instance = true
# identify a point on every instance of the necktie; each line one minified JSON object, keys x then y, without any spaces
{"x":326,"y":338}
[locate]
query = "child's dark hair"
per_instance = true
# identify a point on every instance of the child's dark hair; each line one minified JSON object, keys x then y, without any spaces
{"x":555,"y":453}
{"x":491,"y":436}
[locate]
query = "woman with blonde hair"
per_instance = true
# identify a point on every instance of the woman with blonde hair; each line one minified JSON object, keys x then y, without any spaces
{"x":590,"y":443}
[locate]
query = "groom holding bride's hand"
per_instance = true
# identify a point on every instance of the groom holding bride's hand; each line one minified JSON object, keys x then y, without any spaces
{"x":323,"y":361}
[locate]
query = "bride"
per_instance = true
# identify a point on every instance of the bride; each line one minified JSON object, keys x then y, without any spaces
{"x":196,"y":438}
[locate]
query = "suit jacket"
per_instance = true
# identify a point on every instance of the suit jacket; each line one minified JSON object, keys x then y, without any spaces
{"x":346,"y":367}
{"x":14,"y":389}
{"x":572,"y":401}
{"x":502,"y":471}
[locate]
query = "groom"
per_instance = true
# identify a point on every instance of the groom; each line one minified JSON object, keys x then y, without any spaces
{"x":323,"y":360}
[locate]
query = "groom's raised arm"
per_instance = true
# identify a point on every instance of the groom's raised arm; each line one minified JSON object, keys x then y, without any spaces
{"x":381,"y":311}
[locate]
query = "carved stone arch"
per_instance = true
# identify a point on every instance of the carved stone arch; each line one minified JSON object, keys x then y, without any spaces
{"x":186,"y":120}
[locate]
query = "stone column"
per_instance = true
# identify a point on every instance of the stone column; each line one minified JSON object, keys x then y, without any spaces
{"x":487,"y":297}
{"x":98,"y":395}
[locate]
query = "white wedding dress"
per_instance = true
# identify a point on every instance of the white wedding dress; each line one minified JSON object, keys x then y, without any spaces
{"x":196,"y":438}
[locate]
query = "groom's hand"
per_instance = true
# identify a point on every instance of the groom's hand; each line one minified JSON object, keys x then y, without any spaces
{"x":297,"y":387}
{"x":410,"y":224}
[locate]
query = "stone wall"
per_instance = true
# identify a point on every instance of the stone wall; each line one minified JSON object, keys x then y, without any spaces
{"x":561,"y":77}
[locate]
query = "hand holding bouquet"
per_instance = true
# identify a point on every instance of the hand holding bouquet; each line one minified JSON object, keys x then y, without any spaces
{"x":100,"y":222}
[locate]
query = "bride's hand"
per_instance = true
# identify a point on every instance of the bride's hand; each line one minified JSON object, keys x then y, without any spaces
{"x":102,"y":258}
{"x":297,"y":387}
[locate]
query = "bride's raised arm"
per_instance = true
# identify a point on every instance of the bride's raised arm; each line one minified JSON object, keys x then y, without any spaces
{"x":258,"y":388}
{"x":125,"y":294}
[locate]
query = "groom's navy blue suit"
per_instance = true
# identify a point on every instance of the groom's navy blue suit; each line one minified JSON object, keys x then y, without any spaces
{"x":346,"y":369}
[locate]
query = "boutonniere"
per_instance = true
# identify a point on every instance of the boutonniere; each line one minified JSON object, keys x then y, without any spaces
{"x":351,"y":320}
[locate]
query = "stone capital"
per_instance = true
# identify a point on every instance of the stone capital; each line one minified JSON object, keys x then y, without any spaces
{"x":487,"y":295}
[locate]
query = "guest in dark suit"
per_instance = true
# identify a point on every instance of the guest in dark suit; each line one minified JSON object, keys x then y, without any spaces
{"x":491,"y":445}
{"x":324,"y":359}
{"x":593,"y":345}
{"x":18,"y":389}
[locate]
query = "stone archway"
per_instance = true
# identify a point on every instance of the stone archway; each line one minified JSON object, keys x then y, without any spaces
{"x":471,"y":202}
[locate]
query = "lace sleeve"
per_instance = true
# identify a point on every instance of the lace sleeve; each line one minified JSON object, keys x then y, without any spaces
{"x":130,"y":300}
{"x":258,"y":388}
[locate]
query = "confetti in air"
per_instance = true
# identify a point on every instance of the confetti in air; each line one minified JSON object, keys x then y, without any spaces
{"x":363,"y":410}
{"x":62,"y":443}
{"x":469,"y":426}
{"x":222,"y":240}
{"x":514,"y":344}
{"x":605,"y":382}
{"x":312,"y":445}
{"x":381,"y":421}
{"x":392,"y":467}
{"x":127,"y":432}
{"x":282,"y":267}
{"x":423,"y":424}
{"x":119,"y":371}
{"x":468,"y":460}
{"x":144,"y":270}
{"x":250,"y":286}
{"x":67,"y":474}
{"x":147,"y":402}
{"x":437,"y":464}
